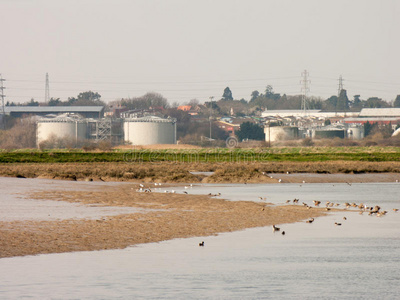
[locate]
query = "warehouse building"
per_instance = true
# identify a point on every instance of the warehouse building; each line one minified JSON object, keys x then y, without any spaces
{"x":95,"y":112}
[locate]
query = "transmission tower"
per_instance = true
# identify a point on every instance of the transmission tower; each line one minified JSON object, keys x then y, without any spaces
{"x":305,"y":89}
{"x":211,"y":113}
{"x":2,"y":102}
{"x":340,"y":85}
{"x":47,"y":89}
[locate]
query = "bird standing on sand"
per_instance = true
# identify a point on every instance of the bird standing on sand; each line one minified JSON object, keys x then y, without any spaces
{"x":201,"y":244}
{"x":274,"y":228}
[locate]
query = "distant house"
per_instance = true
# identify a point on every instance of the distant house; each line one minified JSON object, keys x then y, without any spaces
{"x":231,"y":125}
{"x":184,"y":107}
{"x":116,"y":111}
{"x":156,"y":109}
{"x":228,"y":127}
{"x":191,"y":110}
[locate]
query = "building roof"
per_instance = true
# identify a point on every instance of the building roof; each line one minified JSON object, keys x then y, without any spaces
{"x":371,"y":119}
{"x":152,"y":119}
{"x":184,"y":107}
{"x":63,"y":118}
{"x":288,"y":112}
{"x":310,"y":113}
{"x":380,"y":112}
{"x":52,"y":109}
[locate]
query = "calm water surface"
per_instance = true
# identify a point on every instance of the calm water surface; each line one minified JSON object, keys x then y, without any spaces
{"x":358,"y":260}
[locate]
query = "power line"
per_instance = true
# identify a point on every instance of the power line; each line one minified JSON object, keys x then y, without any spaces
{"x":155,"y":82}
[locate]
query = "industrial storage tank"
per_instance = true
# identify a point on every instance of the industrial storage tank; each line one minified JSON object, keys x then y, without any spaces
{"x":65,"y":126}
{"x":355,"y":132}
{"x":280,"y":133}
{"x":150,"y":130}
{"x":329,"y":133}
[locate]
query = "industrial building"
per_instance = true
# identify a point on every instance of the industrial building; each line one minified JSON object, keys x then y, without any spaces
{"x":279,"y":133}
{"x":380,"y":112}
{"x":308,"y":113}
{"x":380,"y":116}
{"x":95,"y":112}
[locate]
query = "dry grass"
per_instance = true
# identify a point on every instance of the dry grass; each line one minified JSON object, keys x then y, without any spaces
{"x":159,"y":147}
{"x":180,"y":172}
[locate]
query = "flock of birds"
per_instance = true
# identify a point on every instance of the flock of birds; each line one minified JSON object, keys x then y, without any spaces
{"x":157,"y":185}
{"x":150,"y":189}
{"x":363,"y":208}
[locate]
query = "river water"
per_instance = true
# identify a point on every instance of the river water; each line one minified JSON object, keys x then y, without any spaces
{"x":358,"y":260}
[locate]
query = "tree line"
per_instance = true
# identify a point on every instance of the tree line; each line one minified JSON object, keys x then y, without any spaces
{"x":258,"y":101}
{"x":271,"y":100}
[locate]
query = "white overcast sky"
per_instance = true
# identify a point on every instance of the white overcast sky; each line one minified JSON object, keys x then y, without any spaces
{"x":186,"y":49}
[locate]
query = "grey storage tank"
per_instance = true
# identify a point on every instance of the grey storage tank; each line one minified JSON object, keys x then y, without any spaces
{"x":150,"y":130}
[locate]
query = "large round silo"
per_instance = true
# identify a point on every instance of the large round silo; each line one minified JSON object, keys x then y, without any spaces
{"x":63,"y":127}
{"x":150,"y":131}
{"x":280,"y":133}
{"x":329,"y":133}
{"x":355,"y":133}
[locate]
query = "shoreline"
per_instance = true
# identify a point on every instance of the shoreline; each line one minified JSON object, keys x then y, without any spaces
{"x":168,"y":216}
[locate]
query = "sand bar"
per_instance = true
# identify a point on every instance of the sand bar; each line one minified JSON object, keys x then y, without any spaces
{"x":169,"y":216}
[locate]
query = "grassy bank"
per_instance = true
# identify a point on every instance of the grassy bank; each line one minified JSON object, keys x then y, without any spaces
{"x":208,"y":155}
{"x":169,"y":165}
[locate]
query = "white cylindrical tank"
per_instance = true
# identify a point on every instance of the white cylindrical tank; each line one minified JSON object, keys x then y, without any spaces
{"x":61,"y":127}
{"x":355,"y":133}
{"x":280,"y":133}
{"x":396,"y":132}
{"x":150,"y":131}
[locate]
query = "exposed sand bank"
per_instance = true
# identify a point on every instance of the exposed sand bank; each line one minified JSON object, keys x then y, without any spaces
{"x":170,"y":216}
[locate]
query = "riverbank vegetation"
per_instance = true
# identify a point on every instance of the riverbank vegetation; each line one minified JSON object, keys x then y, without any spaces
{"x":205,"y":155}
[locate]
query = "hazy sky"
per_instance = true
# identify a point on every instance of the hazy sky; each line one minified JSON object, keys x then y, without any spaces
{"x":187,"y":49}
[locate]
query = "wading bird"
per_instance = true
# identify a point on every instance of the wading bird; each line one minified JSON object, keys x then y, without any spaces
{"x":274,"y":228}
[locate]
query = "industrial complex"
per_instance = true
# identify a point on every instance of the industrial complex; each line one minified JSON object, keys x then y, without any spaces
{"x":81,"y":123}
{"x":145,"y":130}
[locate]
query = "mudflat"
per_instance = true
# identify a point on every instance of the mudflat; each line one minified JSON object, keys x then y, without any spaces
{"x":165,"y":216}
